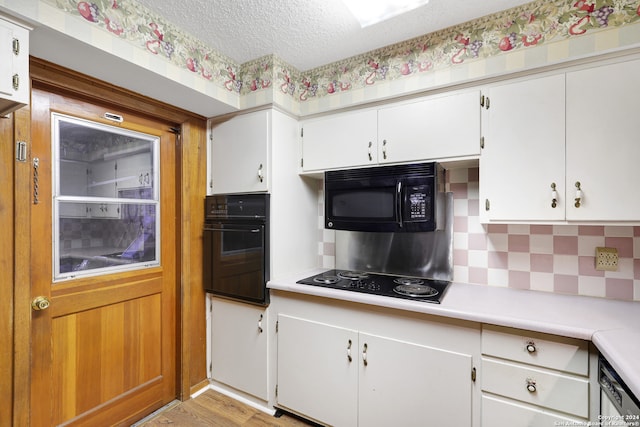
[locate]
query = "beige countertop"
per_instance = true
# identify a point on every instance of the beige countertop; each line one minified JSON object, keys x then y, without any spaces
{"x":613,"y":326}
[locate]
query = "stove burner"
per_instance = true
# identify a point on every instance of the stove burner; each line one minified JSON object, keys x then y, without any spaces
{"x":353,"y":275}
{"x":415,"y":290}
{"x":327,"y":280}
{"x":408,"y":281}
{"x":407,"y":287}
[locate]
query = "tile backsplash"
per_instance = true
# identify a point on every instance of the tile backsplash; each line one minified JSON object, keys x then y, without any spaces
{"x":549,"y":258}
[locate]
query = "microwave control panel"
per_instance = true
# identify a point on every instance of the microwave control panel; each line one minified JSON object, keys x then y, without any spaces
{"x":417,"y":203}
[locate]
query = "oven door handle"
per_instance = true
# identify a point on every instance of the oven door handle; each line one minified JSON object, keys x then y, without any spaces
{"x":254,"y":230}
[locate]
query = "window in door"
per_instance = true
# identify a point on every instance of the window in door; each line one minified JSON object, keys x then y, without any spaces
{"x":106,"y":207}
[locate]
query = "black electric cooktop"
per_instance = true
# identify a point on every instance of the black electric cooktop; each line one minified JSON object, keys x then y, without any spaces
{"x":413,"y":288}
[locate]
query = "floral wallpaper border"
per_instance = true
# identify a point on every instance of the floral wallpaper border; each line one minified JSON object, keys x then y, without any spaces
{"x":530,"y":25}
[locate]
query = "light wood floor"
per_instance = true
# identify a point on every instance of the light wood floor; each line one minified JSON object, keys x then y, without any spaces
{"x":214,"y":409}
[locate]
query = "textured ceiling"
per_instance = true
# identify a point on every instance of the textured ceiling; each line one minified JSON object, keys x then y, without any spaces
{"x":308,"y":33}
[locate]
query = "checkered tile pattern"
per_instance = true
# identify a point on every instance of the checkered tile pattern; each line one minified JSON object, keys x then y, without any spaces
{"x":550,"y":258}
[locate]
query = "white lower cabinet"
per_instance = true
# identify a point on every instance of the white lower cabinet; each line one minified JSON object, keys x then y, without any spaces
{"x":408,"y":372}
{"x":317,"y":370}
{"x":239,"y":346}
{"x":532,"y":379}
{"x":408,"y":384}
{"x":500,"y":412}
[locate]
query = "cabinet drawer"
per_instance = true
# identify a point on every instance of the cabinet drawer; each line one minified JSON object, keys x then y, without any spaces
{"x":497,"y":412}
{"x":551,"y":390}
{"x":549,"y":351}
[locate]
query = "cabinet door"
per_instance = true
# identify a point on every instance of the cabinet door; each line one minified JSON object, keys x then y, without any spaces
{"x":317,"y":371}
{"x":413,"y":385}
{"x":435,"y":128}
{"x":14,"y":67}
{"x":102,"y":179}
{"x":239,"y":154}
{"x":73,"y":182}
{"x":524,"y":152}
{"x":602,"y":142}
{"x":135,"y":171}
{"x":339,"y":141}
{"x":239,"y":346}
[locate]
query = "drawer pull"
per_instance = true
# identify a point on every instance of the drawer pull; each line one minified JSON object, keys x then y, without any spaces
{"x":531,"y":385}
{"x":531,"y":347}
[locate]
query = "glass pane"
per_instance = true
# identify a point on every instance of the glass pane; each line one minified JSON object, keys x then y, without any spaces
{"x":106,"y":198}
{"x":119,"y":236}
{"x":98,"y":160}
{"x":378,"y":204}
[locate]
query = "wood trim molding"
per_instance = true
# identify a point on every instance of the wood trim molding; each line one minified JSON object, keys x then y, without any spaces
{"x":53,"y":77}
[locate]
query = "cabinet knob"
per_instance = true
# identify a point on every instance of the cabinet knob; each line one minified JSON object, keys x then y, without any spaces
{"x":531,"y":385}
{"x":531,"y":347}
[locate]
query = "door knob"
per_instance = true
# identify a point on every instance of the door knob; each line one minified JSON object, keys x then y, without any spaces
{"x":40,"y":303}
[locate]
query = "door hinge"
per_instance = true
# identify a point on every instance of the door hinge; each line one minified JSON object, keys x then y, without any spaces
{"x":16,"y":47}
{"x":21,"y":151}
{"x":210,"y":366}
{"x":473,"y":374}
{"x":301,"y":162}
{"x":301,"y":132}
{"x":277,"y":325}
{"x":482,"y":142}
{"x":276,"y":390}
{"x":487,"y":103}
{"x":481,"y":100}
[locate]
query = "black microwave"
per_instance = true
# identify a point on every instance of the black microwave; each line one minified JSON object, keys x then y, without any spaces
{"x":399,"y":198}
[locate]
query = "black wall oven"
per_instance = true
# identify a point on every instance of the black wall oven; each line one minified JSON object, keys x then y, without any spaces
{"x":236,"y":247}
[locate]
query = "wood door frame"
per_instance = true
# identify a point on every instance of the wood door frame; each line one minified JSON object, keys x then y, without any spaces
{"x":191,"y":187}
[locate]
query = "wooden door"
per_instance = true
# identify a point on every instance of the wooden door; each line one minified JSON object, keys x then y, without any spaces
{"x":104,"y":351}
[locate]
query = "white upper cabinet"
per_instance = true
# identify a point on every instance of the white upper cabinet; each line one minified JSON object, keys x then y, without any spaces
{"x":433,"y":128}
{"x":240,"y":153}
{"x":14,"y":66}
{"x":438,"y":127}
{"x":603,"y":147}
{"x":523,"y":154}
{"x":563,"y":148}
{"x":340,"y":140}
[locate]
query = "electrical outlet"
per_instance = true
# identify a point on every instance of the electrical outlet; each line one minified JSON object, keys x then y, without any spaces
{"x":607,"y":259}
